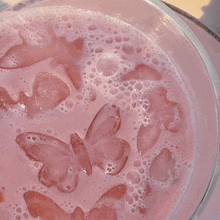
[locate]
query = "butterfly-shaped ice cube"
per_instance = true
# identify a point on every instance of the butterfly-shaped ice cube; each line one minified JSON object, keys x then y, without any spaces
{"x":62,"y":162}
{"x":40,"y":205}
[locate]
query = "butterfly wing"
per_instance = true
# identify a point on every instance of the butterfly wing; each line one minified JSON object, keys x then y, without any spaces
{"x":106,"y":123}
{"x":5,"y":99}
{"x":102,"y":213}
{"x":148,"y":136}
{"x":48,"y":92}
{"x":63,"y":175}
{"x":142,"y":72}
{"x":41,"y":206}
{"x":59,"y":163}
{"x":105,"y":208}
{"x":41,"y":147}
{"x":70,"y":182}
{"x":115,"y":193}
{"x":111,"y":154}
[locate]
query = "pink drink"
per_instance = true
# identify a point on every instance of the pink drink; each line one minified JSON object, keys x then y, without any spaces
{"x":95,"y":121}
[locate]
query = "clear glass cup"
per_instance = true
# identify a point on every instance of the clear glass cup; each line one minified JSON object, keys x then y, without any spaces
{"x":173,"y":36}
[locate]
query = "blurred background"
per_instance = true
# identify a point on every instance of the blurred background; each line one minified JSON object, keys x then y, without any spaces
{"x":207,"y":11}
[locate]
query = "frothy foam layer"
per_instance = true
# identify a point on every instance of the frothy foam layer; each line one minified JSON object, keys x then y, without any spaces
{"x":88,"y":102}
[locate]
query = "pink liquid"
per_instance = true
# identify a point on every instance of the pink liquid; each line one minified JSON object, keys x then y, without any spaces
{"x":95,"y":121}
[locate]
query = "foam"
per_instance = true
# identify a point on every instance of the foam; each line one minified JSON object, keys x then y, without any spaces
{"x":110,"y":51}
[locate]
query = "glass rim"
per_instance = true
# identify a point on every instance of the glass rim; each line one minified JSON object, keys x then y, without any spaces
{"x":215,"y":82}
{"x":211,"y":71}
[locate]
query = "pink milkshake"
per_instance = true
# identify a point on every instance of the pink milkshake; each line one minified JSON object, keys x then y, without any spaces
{"x":96,"y":123}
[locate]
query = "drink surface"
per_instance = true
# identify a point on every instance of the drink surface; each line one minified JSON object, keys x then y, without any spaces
{"x":95,"y":120}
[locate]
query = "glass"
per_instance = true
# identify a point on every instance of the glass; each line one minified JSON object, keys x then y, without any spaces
{"x":171,"y":34}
